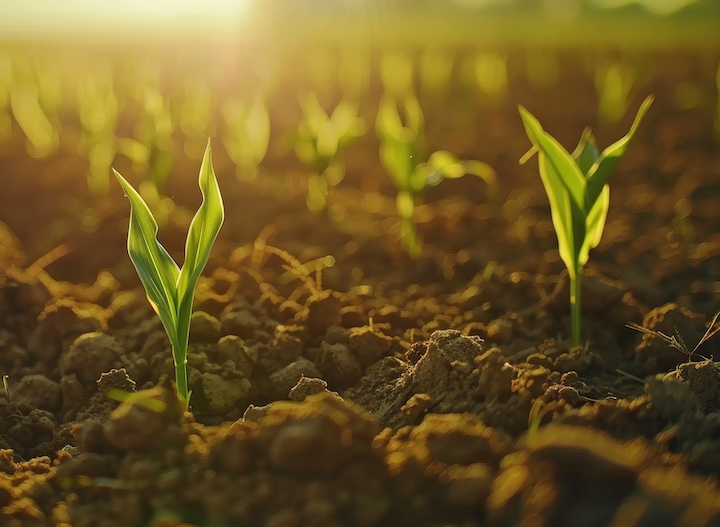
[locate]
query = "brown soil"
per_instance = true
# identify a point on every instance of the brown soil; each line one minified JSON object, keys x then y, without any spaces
{"x":383,"y":391}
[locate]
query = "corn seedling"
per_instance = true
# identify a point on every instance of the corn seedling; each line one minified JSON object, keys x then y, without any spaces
{"x":247,"y":134}
{"x":400,"y":154}
{"x":320,"y":141}
{"x":676,"y":340}
{"x":170,"y":289}
{"x":579,"y":195}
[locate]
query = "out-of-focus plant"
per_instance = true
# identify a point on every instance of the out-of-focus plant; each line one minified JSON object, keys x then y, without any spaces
{"x":401,"y":140}
{"x":613,"y":84}
{"x":579,"y":195}
{"x":170,"y":289}
{"x":320,"y":141}
{"x":196,"y":115}
{"x":40,"y":126}
{"x":98,"y":109}
{"x":247,"y":134}
{"x":491,"y":77}
{"x":396,"y":73}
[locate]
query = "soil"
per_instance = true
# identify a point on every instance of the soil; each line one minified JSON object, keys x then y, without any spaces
{"x":380,"y":390}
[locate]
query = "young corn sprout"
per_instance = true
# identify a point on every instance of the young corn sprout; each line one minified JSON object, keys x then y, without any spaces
{"x":320,"y":142}
{"x":400,"y":154}
{"x":579,"y":195}
{"x":247,"y":134}
{"x":170,"y":289}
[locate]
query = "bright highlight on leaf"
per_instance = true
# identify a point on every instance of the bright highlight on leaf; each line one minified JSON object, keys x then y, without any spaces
{"x":170,"y":289}
{"x":579,"y":195}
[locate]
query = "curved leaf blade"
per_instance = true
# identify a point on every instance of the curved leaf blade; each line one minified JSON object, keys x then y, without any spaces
{"x":595,"y":224}
{"x":565,"y":186}
{"x":202,"y":234}
{"x":599,"y":174}
{"x":565,"y":167}
{"x":157,"y":270}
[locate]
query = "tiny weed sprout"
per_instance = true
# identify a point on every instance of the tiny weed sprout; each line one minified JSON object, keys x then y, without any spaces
{"x":579,"y":195}
{"x":170,"y":289}
{"x":400,"y":154}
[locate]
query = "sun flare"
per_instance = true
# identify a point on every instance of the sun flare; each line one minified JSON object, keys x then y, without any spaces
{"x":123,"y":16}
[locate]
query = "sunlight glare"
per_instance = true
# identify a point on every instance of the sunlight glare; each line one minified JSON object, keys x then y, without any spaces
{"x":148,"y":16}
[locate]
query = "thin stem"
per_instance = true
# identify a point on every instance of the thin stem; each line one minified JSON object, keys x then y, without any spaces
{"x":575,"y":282}
{"x":181,"y":380}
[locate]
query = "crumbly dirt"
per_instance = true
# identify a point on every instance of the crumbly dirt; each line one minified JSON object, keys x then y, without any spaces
{"x":382,"y":391}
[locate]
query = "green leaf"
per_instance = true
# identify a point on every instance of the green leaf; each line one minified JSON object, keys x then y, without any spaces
{"x":398,"y":158}
{"x":599,"y":174}
{"x":446,"y":165}
{"x":563,"y":163}
{"x":595,"y":224}
{"x":202,"y":234}
{"x":586,"y":152}
{"x":481,"y":170}
{"x":405,"y":204}
{"x":565,"y":187}
{"x":561,"y":210}
{"x":158,"y":272}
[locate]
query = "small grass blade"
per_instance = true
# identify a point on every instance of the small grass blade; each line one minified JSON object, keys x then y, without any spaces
{"x":170,"y":289}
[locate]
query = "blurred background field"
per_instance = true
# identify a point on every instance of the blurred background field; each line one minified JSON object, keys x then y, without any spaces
{"x":291,"y":91}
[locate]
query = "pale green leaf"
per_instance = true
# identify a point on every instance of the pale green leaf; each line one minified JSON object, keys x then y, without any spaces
{"x":599,"y":174}
{"x":565,"y":186}
{"x":561,"y":213}
{"x":405,"y":204}
{"x":481,"y":170}
{"x":398,"y":159}
{"x":595,"y":224}
{"x":563,"y":163}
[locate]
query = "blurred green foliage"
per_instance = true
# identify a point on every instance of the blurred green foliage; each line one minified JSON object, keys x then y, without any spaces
{"x":320,"y":141}
{"x":400,"y":126}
